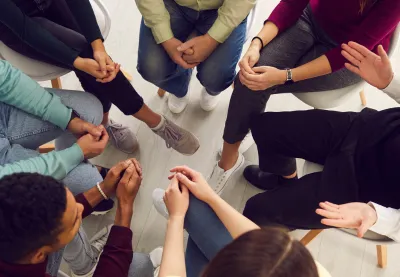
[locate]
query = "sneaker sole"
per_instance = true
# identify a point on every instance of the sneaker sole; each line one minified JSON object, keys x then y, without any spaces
{"x":100,"y":213}
{"x":193,"y":152}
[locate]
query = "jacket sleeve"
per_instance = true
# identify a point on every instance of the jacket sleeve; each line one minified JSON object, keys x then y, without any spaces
{"x":388,"y":223}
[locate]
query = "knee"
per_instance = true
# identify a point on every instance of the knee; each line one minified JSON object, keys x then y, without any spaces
{"x":141,"y":266}
{"x":89,"y":108}
{"x":214,"y":78}
{"x":255,"y":212}
{"x":152,"y":69}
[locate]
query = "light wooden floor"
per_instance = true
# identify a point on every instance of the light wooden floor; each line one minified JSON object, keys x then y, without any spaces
{"x":342,"y":255}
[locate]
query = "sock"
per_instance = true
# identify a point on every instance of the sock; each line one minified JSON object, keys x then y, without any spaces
{"x":158,"y":127}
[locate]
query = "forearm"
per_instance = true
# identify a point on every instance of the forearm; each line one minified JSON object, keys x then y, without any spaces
{"x":124,"y":215}
{"x":236,"y":223}
{"x":267,"y":34}
{"x":315,"y":68}
{"x":173,"y":260}
{"x":94,"y":197}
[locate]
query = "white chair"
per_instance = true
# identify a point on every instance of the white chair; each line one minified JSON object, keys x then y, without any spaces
{"x":380,"y":241}
{"x":251,"y":20}
{"x":334,"y":98}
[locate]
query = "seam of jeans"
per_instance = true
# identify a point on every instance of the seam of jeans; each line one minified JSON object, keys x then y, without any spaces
{"x":42,"y":130}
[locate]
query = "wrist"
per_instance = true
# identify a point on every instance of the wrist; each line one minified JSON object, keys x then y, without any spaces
{"x":98,"y":45}
{"x":108,"y":191}
{"x":211,"y":40}
{"x":282,"y":77}
{"x":176,"y":219}
{"x":124,"y":215}
{"x":78,"y":62}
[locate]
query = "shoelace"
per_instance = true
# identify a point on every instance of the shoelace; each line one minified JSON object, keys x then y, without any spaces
{"x":116,"y":126}
{"x":170,"y":135}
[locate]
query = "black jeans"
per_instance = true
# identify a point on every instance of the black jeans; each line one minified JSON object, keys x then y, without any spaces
{"x":313,"y":135}
{"x":60,"y":22}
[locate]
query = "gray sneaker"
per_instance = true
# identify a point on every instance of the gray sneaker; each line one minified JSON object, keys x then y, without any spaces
{"x":178,"y":138}
{"x":122,"y":137}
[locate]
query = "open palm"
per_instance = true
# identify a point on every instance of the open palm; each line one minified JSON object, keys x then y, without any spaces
{"x":374,"y":69}
{"x":355,"y":215}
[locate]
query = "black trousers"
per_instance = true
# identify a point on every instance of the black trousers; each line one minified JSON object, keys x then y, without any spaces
{"x":313,"y":135}
{"x":60,"y":22}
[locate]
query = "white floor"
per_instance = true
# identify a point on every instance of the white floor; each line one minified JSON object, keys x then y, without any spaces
{"x":342,"y":255}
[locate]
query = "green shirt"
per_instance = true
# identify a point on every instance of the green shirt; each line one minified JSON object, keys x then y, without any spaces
{"x":21,"y":92}
{"x":230,"y":14}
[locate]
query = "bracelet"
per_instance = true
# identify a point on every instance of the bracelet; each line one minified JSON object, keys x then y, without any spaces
{"x":262,"y":43}
{"x":101,"y":191}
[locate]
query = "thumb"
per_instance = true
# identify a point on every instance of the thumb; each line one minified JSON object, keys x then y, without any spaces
{"x":189,"y":51}
{"x":185,"y":191}
{"x":382,"y":53}
{"x":185,"y":46}
{"x":362,"y":229}
{"x":260,"y":69}
{"x":184,"y":180}
{"x":93,"y":130}
{"x":103,"y":66}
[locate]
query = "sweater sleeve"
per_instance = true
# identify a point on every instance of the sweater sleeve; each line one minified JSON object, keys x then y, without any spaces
{"x":393,"y":89}
{"x":380,"y":22}
{"x":20,"y":91}
{"x":32,"y":34}
{"x":84,"y":15}
{"x":388,"y":223}
{"x":56,"y":164}
{"x":287,"y":12}
{"x":117,"y":254}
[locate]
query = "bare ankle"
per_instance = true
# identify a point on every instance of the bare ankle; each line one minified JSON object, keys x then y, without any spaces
{"x":291,"y":176}
{"x":227,"y":163}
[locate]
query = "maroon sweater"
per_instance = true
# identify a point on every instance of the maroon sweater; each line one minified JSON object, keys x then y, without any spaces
{"x":115,"y":260}
{"x":343,"y":22}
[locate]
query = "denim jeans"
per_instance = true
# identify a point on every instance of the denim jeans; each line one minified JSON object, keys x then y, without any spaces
{"x":22,"y":133}
{"x":81,"y":259}
{"x":216,"y":73}
{"x":207,"y":236}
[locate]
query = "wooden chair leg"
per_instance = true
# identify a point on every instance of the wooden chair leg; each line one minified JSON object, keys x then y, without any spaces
{"x":46,"y":148}
{"x":381,"y":251}
{"x":56,"y":83}
{"x":127,"y":75}
{"x":161,"y":92}
{"x":310,"y":236}
{"x":363,"y":98}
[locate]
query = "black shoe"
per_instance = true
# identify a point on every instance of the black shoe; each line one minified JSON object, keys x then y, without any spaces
{"x":103,"y":207}
{"x":264,"y":180}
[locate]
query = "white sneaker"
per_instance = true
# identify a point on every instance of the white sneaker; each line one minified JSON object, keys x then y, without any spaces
{"x":220,"y":177}
{"x":97,"y":242}
{"x":156,"y":258}
{"x":158,"y":202}
{"x":246,"y":143}
{"x":208,"y":102}
{"x":177,"y":105}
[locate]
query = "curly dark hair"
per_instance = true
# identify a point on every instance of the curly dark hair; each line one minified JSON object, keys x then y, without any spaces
{"x":31,"y":210}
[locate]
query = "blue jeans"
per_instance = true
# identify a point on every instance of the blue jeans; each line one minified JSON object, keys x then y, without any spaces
{"x":22,"y":133}
{"x":207,"y":236}
{"x":216,"y":73}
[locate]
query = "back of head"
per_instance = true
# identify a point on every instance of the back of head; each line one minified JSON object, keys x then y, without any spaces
{"x":31,"y":209}
{"x":266,"y":252}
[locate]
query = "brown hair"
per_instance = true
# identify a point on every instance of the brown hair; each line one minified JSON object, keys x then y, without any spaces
{"x":268,"y":252}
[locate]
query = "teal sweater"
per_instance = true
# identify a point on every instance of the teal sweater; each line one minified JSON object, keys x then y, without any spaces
{"x":19,"y":91}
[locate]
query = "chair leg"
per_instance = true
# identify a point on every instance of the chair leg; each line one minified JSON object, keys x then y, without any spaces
{"x":381,"y":251}
{"x":161,"y":92}
{"x":363,"y":98}
{"x":56,"y":83}
{"x":46,"y":148}
{"x":127,"y":75}
{"x":310,"y":236}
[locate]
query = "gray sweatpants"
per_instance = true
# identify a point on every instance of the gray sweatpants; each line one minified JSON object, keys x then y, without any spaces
{"x":300,"y":44}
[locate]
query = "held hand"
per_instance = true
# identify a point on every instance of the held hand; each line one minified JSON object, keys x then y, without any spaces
{"x":176,"y":199}
{"x":358,"y":216}
{"x":110,"y":183}
{"x":374,"y":69}
{"x":202,"y":47}
{"x":110,"y":74}
{"x":195,"y":182}
{"x":264,"y":78}
{"x":93,"y":146}
{"x":104,"y":61}
{"x":80,"y":127}
{"x":128,"y":186}
{"x":250,"y":59}
{"x":171,"y":47}
{"x":89,"y":66}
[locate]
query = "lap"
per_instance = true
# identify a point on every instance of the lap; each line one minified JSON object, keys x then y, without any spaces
{"x":311,"y":135}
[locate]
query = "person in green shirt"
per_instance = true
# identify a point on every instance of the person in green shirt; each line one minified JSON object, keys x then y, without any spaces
{"x":168,"y":52}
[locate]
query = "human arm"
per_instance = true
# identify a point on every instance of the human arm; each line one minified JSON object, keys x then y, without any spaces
{"x":235,"y":222}
{"x":387,"y":223}
{"x":117,"y":254}
{"x":176,"y":199}
{"x":33,"y":35}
